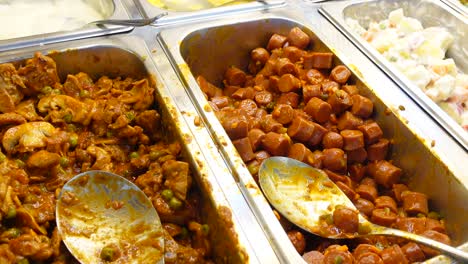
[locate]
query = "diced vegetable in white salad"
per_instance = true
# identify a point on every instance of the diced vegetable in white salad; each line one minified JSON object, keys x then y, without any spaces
{"x":419,"y":53}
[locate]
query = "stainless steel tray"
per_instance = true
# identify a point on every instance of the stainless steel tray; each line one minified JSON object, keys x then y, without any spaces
{"x":111,"y":9}
{"x":128,"y":56}
{"x":430,"y":13}
{"x":149,"y":10}
{"x":457,"y":5}
{"x":201,"y":49}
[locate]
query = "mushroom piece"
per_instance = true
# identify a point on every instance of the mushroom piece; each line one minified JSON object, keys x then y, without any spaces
{"x":141,"y":95}
{"x":103,"y":159}
{"x":27,"y":137}
{"x":177,"y":177}
{"x":60,"y":107}
{"x":43,"y":159}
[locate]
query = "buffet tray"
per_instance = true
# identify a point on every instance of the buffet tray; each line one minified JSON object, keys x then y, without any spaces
{"x":430,"y":13}
{"x":208,"y":49}
{"x":128,"y":56}
{"x":113,"y":9}
{"x":457,"y":5}
{"x":149,"y":10}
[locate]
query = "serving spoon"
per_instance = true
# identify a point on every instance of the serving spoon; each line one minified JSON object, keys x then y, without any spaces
{"x":130,"y":22}
{"x":304,"y":195}
{"x":103,"y":217}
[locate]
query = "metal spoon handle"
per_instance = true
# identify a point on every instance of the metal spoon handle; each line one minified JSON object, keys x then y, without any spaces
{"x":448,"y":250}
{"x":130,"y":22}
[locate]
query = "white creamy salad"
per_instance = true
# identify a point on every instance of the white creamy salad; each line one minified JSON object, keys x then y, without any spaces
{"x":20,"y":18}
{"x":419,"y":53}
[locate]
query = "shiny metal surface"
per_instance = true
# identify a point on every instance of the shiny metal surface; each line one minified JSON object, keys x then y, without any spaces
{"x":111,"y":9}
{"x":232,"y":224}
{"x":118,"y":213}
{"x":457,"y":5}
{"x":130,"y":22}
{"x":198,"y":48}
{"x":149,"y":10}
{"x":430,"y":13}
{"x":304,"y":195}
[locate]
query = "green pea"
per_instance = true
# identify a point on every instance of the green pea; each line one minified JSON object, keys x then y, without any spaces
{"x":2,"y":157}
{"x":433,"y":215}
{"x":109,"y":134}
{"x":327,"y":218}
{"x":107,"y":253}
{"x":338,"y":260}
{"x":84,"y":93}
{"x":20,"y":163}
{"x":71,"y":128}
{"x":47,"y":90}
{"x":419,"y":215}
{"x":130,"y":115}
{"x":64,"y":162}
{"x":11,"y":213}
{"x":134,"y":155}
{"x":56,"y":91}
{"x":167,"y":194}
{"x":175,"y":203}
{"x":12,"y":232}
{"x":154,"y":155}
{"x":23,"y":261}
{"x":205,"y":229}
{"x":364,"y":229}
{"x":68,"y":118}
{"x":73,"y":140}
{"x":324,"y":96}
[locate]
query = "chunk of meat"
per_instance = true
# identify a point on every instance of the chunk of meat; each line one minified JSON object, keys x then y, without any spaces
{"x":40,"y":71}
{"x":27,"y":137}
{"x":103,"y":159}
{"x":276,"y":144}
{"x":276,"y":41}
{"x":318,"y":60}
{"x":141,"y":95}
{"x":244,"y":148}
{"x":340,"y":74}
{"x":27,"y":109}
{"x":318,"y":109}
{"x":298,"y":240}
{"x":384,"y":173}
{"x":414,"y":203}
{"x":64,"y":108}
{"x":11,"y":119}
{"x":346,"y":219}
{"x":32,"y":246}
{"x":150,"y":121}
{"x":76,"y":84}
{"x":43,"y":160}
{"x":364,"y":206}
{"x":413,"y":252}
{"x":260,"y":55}
{"x":298,"y":38}
{"x":334,"y":159}
{"x":177,"y":177}
{"x":11,"y":88}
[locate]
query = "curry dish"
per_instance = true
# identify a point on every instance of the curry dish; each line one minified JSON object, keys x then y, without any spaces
{"x":295,"y":102}
{"x":51,"y":131}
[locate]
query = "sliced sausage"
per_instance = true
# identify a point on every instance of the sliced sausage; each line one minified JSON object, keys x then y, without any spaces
{"x":315,"y":159}
{"x":298,"y":240}
{"x":414,"y":202}
{"x":364,"y":249}
{"x":334,"y":159}
{"x":294,"y":54}
{"x":261,"y":155}
{"x":248,"y":106}
{"x":335,"y":177}
{"x":357,"y":155}
{"x":364,"y":206}
{"x":313,"y":257}
{"x":346,"y":219}
{"x":244,"y":148}
{"x":236,"y":126}
{"x":369,"y":258}
{"x":269,"y":68}
{"x":299,"y":152}
{"x":352,"y":139}
{"x":434,"y":224}
{"x":314,"y":76}
{"x":393,"y":255}
{"x":276,"y":144}
{"x":332,"y":140}
{"x":357,"y":172}
{"x":416,"y":225}
{"x":337,"y":254}
{"x":235,"y":76}
{"x":329,"y":87}
{"x":285,"y":66}
{"x":255,"y":136}
{"x":379,"y":150}
{"x":301,"y":129}
{"x":318,"y":60}
{"x":260,"y":54}
{"x":209,"y":89}
{"x":384,"y":173}
{"x":368,"y":192}
{"x":413,"y":252}
{"x":269,"y":124}
{"x":244,"y":93}
{"x":309,"y":91}
{"x":386,"y":202}
{"x":318,"y":109}
{"x":372,"y":132}
{"x":340,"y":101}
{"x":229,"y":90}
{"x":273,"y":83}
{"x":317,"y":135}
{"x":340,"y":74}
{"x":362,"y":106}
{"x":283,"y":113}
{"x":443,"y":238}
{"x":290,"y":98}
{"x":397,"y":190}
{"x":288,"y":83}
{"x":348,"y":121}
{"x":352,"y":195}
{"x":383,"y":217}
{"x":220,"y":101}
{"x":276,"y":41}
{"x":350,"y":89}
{"x":298,"y":38}
{"x":263,"y":98}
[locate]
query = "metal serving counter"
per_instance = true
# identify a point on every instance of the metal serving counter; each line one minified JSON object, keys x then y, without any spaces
{"x":187,"y":44}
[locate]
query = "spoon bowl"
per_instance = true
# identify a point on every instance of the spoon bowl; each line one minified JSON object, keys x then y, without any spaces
{"x":104,"y":217}
{"x":306,"y":197}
